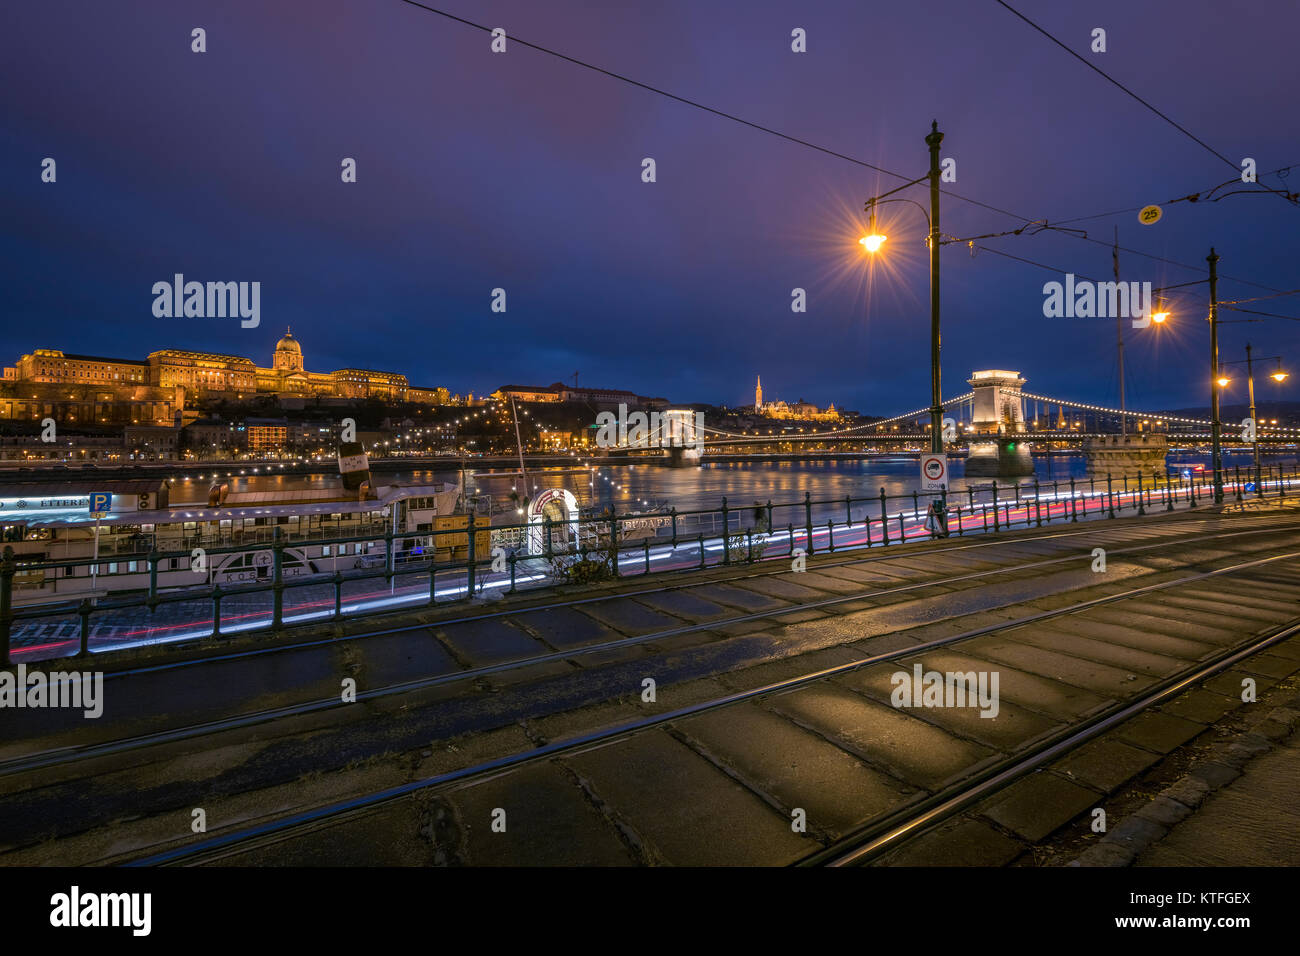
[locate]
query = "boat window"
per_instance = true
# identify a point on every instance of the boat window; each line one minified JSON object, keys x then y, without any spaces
{"x":325,"y":551}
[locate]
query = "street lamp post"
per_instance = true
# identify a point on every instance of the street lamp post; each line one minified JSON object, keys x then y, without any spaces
{"x":1250,"y":385}
{"x":1216,"y":447}
{"x":936,"y":397}
{"x":1278,"y":376}
{"x":872,"y":243}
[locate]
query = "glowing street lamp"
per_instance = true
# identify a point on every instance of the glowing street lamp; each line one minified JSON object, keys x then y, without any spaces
{"x":873,"y":240}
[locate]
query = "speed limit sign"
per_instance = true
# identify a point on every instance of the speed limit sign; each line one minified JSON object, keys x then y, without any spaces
{"x":934,"y":472}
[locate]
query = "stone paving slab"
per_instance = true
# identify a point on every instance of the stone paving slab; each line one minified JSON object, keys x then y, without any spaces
{"x":797,"y":768}
{"x":631,"y":618}
{"x":490,"y":641}
{"x":912,"y":749}
{"x":1106,"y":762}
{"x":742,"y":598}
{"x":1099,"y":678}
{"x":1159,"y":731}
{"x":548,"y":822}
{"x":1243,"y":607}
{"x":1202,"y":706}
{"x":1052,"y":698}
{"x":686,"y":812}
{"x":393,"y":658}
{"x":565,"y":627}
{"x":1156,"y":621}
{"x":1128,"y":658}
{"x":1084,"y":626}
{"x":790,"y":588}
{"x":1013,"y":727}
{"x":967,"y":843}
{"x":1039,"y":804}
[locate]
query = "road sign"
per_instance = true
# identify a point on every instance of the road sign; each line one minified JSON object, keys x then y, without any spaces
{"x":934,"y":472}
{"x":101,"y":503}
{"x":1150,"y":215}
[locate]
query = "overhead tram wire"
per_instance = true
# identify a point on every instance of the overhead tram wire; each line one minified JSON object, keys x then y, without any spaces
{"x":1110,"y":79}
{"x":1044,"y":223}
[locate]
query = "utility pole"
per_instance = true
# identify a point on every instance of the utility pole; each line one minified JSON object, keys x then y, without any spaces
{"x":1216,"y":448}
{"x":1250,"y":384}
{"x":933,"y":140}
{"x":1119,"y":341}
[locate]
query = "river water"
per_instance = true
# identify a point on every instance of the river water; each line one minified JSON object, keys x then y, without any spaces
{"x":642,"y":487}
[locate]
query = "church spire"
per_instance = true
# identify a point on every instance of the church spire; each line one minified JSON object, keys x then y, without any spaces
{"x":758,"y":395}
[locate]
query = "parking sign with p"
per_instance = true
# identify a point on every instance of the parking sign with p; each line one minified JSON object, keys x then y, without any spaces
{"x":101,"y":502}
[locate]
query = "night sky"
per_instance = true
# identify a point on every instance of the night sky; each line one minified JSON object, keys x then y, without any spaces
{"x":523,"y":171}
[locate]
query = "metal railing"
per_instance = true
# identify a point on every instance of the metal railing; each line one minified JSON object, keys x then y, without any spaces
{"x":609,"y":546}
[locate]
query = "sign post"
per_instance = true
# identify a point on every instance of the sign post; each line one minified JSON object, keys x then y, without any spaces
{"x":934,"y":477}
{"x":101,"y":502}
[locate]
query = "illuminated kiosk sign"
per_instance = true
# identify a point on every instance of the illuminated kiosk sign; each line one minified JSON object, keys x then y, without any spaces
{"x":77,"y":503}
{"x":560,"y":508}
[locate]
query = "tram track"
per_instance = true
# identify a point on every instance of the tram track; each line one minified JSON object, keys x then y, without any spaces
{"x":1266,"y":584}
{"x":68,"y":755}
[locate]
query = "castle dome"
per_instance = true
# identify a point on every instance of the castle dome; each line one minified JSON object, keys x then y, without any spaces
{"x":288,"y":343}
{"x":288,"y":354}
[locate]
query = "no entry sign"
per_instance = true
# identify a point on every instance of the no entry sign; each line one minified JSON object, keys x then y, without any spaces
{"x":934,"y":472}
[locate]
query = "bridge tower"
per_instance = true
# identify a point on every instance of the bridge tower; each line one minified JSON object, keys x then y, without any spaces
{"x":997,"y":409}
{"x":997,"y":406}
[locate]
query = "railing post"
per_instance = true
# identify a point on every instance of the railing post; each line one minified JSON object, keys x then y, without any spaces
{"x":338,"y":594}
{"x":1237,"y":472}
{"x":1141,"y":507}
{"x":433,"y":579}
{"x":84,"y":610}
{"x":1074,"y":502}
{"x":674,"y":514}
{"x":791,"y":534}
{"x":1110,"y":495}
{"x":613,"y":535}
{"x":726,"y":533}
{"x":216,"y":610}
{"x":645,"y":542}
{"x":546,"y":530}
{"x":959,"y":525}
{"x":702,"y":546}
{"x":512,"y":559}
{"x":769,"y":515}
{"x":1281,"y":484}
{"x":995,"y":504}
{"x":1038,"y":503}
{"x":152,"y":560}
{"x":884,"y":518}
{"x":848,"y":511}
{"x":470,"y":556}
{"x":277,"y":579}
{"x":807,"y":516}
{"x":830,"y":535}
{"x":8,"y":568}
